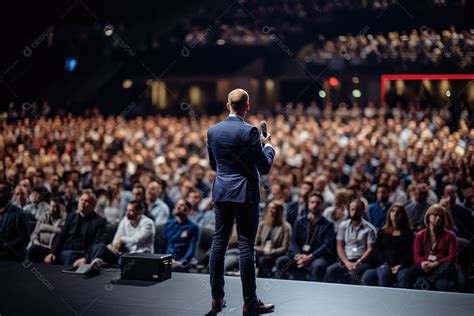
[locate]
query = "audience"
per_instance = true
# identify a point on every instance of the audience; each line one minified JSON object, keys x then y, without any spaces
{"x":82,"y":231}
{"x":135,"y":234}
{"x":157,"y":208}
{"x":70,"y":196}
{"x":444,"y":202}
{"x":298,"y":209}
{"x":13,"y":227}
{"x":21,"y":197}
{"x":396,"y":193}
{"x":356,"y":239}
{"x":180,"y":235}
{"x":39,"y":202}
{"x":195,"y":214}
{"x":273,"y":238}
{"x":338,"y":213}
{"x":463,"y":220}
{"x":393,"y":251}
{"x":47,"y":228}
{"x":417,"y":208}
{"x":376,"y":156}
{"x":425,"y":47}
{"x":435,"y":253}
{"x":378,"y":210}
{"x":311,"y":244}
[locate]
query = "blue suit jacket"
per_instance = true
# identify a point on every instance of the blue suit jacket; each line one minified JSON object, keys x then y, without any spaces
{"x":237,"y":155}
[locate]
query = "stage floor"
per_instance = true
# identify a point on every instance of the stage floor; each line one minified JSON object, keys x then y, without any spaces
{"x":43,"y":290}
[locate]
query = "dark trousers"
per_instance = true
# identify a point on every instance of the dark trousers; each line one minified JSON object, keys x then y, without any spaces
{"x":67,"y":257}
{"x":316,"y":270}
{"x":246,"y":218}
{"x":37,"y":253}
{"x":231,"y":261}
{"x":383,"y":276}
{"x":7,"y":254}
{"x":265,"y":264}
{"x":442,"y":278}
{"x":101,"y":251}
{"x":337,"y":273}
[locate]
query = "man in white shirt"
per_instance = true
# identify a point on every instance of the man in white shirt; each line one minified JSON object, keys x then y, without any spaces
{"x":135,"y":233}
{"x":355,"y":243}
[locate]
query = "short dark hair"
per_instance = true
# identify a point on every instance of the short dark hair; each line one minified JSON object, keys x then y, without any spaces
{"x":194,"y":190}
{"x":138,"y":185}
{"x":8,"y":187}
{"x":382,"y":185}
{"x":188,"y":205}
{"x":309,"y":183}
{"x":58,"y":200}
{"x":137,"y":205}
{"x":315,"y":193}
{"x":43,"y":192}
{"x":40,"y":173}
{"x":360,"y":203}
{"x":162,"y":183}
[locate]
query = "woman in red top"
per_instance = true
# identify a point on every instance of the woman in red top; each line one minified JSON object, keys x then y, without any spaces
{"x":435,"y":253}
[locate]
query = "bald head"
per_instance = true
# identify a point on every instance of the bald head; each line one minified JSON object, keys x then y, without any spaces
{"x":237,"y":100}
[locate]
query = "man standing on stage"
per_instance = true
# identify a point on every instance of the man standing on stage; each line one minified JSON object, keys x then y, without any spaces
{"x":237,"y":155}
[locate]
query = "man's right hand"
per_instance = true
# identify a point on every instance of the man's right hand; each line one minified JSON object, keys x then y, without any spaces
{"x":50,"y":258}
{"x":349,"y":265}
{"x":117,"y":246}
{"x":266,"y":140}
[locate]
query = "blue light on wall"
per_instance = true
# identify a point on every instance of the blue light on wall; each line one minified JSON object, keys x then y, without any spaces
{"x":70,"y":64}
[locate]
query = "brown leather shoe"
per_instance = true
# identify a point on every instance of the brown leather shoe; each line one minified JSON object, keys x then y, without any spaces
{"x":257,"y":307}
{"x":218,"y":304}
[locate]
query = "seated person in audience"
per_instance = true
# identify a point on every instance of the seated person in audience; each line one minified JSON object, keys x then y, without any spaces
{"x":273,"y":238}
{"x":13,"y":227}
{"x":70,"y":196}
{"x":139,"y":194}
{"x":298,"y":209}
{"x":81,"y":232}
{"x":108,"y":204}
{"x":378,"y":210}
{"x":157,"y":208}
{"x":393,"y":251}
{"x":39,"y":205}
{"x":135,"y":234}
{"x":321,"y":186}
{"x":466,"y":195}
{"x":25,"y":183}
{"x":47,"y":228}
{"x":356,"y":239}
{"x":194,"y":197}
{"x":338,"y":212}
{"x":396,"y":193}
{"x":462,"y":216}
{"x":20,"y":197}
{"x":416,"y":209}
{"x":180,"y":236}
{"x":311,"y":244}
{"x":444,"y":202}
{"x":435,"y":253}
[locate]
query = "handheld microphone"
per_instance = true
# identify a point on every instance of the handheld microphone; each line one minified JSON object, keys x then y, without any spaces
{"x":263,"y":127}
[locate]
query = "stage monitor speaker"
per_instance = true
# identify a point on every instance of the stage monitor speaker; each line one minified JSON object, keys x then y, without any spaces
{"x":145,"y":267}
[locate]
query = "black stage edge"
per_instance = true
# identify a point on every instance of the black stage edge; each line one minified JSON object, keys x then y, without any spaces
{"x":38,"y":289}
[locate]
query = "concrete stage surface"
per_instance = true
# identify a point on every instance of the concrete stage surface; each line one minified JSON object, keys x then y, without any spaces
{"x":38,"y":289}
